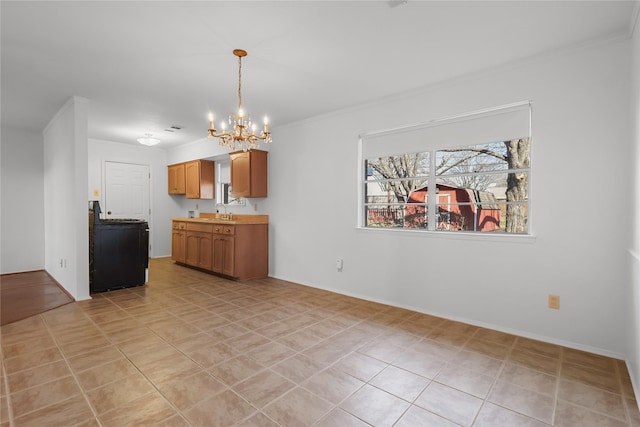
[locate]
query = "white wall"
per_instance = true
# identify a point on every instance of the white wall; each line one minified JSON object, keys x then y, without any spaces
{"x":65,"y":202}
{"x":22,"y":202}
{"x":163,"y":206}
{"x":633,"y":320}
{"x":580,"y":206}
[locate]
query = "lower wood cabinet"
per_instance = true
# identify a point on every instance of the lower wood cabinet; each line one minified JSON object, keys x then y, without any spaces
{"x":239,"y":251}
{"x":178,"y":241}
{"x":199,"y":245}
{"x":223,"y":254}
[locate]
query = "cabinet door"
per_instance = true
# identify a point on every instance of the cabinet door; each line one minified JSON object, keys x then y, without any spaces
{"x":205,"y":251}
{"x":199,"y":179}
{"x":177,"y":179}
{"x":192,"y":174}
{"x":240,"y":174}
{"x":178,"y":241}
{"x":223,"y":256}
{"x":199,"y":249}
{"x":178,"y":246}
{"x":249,"y":173}
{"x":218,"y":253}
{"x":228,"y":256}
{"x":192,"y":249}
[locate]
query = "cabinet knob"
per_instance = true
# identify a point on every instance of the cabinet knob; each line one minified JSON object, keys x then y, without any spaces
{"x":108,"y":212}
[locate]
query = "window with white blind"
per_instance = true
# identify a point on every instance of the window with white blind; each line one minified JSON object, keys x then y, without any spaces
{"x":469,"y":173}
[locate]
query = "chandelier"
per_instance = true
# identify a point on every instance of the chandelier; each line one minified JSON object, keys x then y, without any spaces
{"x":242,"y":133}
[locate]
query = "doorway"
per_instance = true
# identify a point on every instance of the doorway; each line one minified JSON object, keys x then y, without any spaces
{"x":126,"y":192}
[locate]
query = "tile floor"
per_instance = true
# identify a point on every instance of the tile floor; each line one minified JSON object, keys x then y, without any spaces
{"x":193,"y":349}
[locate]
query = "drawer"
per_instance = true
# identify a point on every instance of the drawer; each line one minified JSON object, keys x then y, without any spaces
{"x":179,"y":225}
{"x":224,"y":229}
{"x":205,"y":228}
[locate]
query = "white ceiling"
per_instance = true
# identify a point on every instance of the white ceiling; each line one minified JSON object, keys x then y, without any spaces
{"x":149,"y":65}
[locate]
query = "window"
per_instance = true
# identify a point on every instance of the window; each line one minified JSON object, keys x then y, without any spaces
{"x":469,"y":173}
{"x":223,"y":184}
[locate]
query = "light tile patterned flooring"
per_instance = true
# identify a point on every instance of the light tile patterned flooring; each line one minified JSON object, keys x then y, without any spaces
{"x":194,"y":349}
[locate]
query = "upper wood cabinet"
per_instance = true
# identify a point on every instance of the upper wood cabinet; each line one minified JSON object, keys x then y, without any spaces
{"x":177,"y":179}
{"x":249,"y":173}
{"x":199,"y":179}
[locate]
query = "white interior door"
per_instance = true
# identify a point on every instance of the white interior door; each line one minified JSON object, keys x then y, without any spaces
{"x":126,"y":193}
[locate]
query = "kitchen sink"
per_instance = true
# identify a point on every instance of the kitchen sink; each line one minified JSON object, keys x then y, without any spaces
{"x":224,"y":217}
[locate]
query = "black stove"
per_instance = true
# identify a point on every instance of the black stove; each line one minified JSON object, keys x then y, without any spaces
{"x":122,"y":220}
{"x":118,"y":251}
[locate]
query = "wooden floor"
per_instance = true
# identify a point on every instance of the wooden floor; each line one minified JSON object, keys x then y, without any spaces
{"x":24,"y":295}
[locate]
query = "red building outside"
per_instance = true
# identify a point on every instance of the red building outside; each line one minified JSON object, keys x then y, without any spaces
{"x":459,"y":209}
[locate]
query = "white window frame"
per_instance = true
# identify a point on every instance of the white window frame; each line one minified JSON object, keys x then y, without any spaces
{"x":432,"y":149}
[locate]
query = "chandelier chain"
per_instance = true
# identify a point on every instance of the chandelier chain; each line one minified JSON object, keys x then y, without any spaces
{"x":239,"y":81}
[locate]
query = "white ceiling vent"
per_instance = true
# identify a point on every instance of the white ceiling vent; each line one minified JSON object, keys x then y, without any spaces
{"x":174,"y":128}
{"x":394,"y":3}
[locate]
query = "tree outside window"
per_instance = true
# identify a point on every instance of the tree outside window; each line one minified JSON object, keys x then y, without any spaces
{"x":479,"y":188}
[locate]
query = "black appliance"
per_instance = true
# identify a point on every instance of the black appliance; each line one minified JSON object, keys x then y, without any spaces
{"x":118,"y":251}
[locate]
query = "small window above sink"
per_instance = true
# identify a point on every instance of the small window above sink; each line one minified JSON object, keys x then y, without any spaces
{"x":228,"y":198}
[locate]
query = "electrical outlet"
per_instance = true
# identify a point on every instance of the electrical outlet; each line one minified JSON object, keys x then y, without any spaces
{"x":339,"y":264}
{"x":554,"y":301}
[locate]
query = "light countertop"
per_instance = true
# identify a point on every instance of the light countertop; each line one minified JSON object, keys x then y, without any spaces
{"x":219,"y":218}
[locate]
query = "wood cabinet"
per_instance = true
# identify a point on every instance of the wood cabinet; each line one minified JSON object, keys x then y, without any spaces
{"x":199,"y":179}
{"x":199,"y":247}
{"x":195,"y":179}
{"x":178,"y":241}
{"x":249,"y":173}
{"x":177,"y":179}
{"x":223,"y":249}
{"x":245,"y":250}
{"x":239,"y":251}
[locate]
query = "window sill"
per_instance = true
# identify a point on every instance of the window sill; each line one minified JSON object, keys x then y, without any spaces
{"x":455,"y":235}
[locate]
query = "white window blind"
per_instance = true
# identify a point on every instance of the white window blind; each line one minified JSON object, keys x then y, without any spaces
{"x":497,"y":124}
